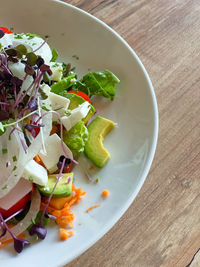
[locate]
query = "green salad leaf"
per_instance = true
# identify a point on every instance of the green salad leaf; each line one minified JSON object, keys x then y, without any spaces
{"x":98,"y":83}
{"x":54,"y":55}
{"x":76,"y":138}
{"x":94,"y":83}
{"x":64,"y":84}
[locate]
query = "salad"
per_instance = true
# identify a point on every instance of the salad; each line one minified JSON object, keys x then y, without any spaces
{"x":47,"y":120}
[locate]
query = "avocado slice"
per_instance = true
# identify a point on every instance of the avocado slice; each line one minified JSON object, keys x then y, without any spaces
{"x":94,"y":148}
{"x":63,"y":188}
{"x":75,"y":101}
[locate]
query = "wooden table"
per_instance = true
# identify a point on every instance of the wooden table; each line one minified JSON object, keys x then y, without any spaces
{"x":162,"y":226}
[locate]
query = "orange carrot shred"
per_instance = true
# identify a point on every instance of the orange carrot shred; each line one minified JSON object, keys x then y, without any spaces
{"x":60,"y":207}
{"x":105,"y":193}
{"x":91,"y":168}
{"x":92,"y":207}
{"x":65,"y":234}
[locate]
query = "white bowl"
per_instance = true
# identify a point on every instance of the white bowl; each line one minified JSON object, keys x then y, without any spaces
{"x":133,"y":142}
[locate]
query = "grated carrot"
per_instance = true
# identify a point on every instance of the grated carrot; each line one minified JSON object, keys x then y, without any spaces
{"x":60,"y":208}
{"x":39,"y":161}
{"x":91,"y":168}
{"x":105,"y":193}
{"x":65,"y":234}
{"x":92,"y":207}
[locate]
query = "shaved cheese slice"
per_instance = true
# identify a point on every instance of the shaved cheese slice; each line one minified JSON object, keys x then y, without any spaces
{"x":11,"y":170}
{"x":53,"y":152}
{"x":22,"y":188}
{"x":35,"y":172}
{"x":11,"y":164}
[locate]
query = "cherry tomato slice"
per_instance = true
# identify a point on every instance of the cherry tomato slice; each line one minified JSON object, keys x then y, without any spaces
{"x":79,"y":93}
{"x":37,"y":129}
{"x":6,"y":30}
{"x":21,"y":204}
{"x":68,"y":168}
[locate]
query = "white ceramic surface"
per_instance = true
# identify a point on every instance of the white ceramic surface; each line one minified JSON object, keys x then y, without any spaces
{"x":132,"y":144}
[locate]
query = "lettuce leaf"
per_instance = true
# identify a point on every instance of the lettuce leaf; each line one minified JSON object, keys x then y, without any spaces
{"x":64,"y":84}
{"x":76,"y":138}
{"x":98,"y":83}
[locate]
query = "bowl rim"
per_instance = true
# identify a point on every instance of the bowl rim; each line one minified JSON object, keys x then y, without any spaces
{"x":89,"y":243}
{"x":152,"y":149}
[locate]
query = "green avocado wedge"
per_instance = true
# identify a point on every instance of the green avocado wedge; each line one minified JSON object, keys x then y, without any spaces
{"x":63,"y":188}
{"x":94,"y":148}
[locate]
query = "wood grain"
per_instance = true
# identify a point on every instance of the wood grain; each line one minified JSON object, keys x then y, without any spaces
{"x":162,"y":226}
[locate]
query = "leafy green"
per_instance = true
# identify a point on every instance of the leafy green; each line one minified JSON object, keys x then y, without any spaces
{"x":76,"y":138}
{"x":64,"y":84}
{"x":31,"y":58}
{"x":94,"y":83}
{"x":54,"y":55}
{"x":98,"y":83}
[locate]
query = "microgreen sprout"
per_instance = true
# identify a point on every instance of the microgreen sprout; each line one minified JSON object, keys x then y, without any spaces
{"x":19,"y":243}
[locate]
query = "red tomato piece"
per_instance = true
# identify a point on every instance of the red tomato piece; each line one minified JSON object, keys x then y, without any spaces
{"x":79,"y":93}
{"x":37,"y":129}
{"x":6,"y":30}
{"x":68,"y":168}
{"x":21,"y":204}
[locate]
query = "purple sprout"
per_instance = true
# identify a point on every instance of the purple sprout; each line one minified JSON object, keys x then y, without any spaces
{"x":29,"y":70}
{"x":19,"y":243}
{"x":39,"y":62}
{"x":4,"y":115}
{"x":60,"y":162}
{"x":32,"y":105}
{"x":39,"y":230}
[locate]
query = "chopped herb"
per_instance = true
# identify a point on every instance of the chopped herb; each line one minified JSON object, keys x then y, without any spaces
{"x":5,"y":187}
{"x":30,"y":36}
{"x":55,"y":65}
{"x":68,"y":113}
{"x":18,"y":36}
{"x":46,"y":36}
{"x":14,"y":158}
{"x":76,"y":57}
{"x":34,"y":43}
{"x":31,"y":179}
{"x":2,"y":128}
{"x":14,"y":168}
{"x":9,"y":138}
{"x":97,"y":180}
{"x":73,"y":69}
{"x":45,"y":108}
{"x":4,"y":150}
